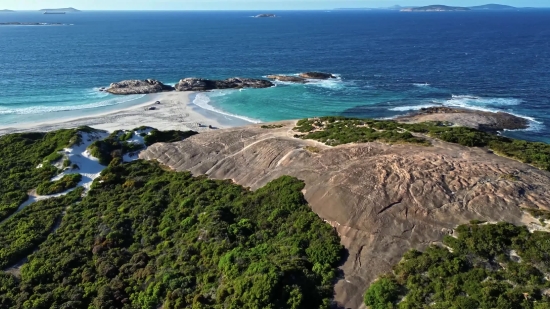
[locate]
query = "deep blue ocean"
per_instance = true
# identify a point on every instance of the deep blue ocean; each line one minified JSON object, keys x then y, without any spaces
{"x":388,"y":63}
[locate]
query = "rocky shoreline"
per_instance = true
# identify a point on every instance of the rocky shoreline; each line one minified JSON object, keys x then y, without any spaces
{"x":481,"y":120}
{"x":148,"y":86}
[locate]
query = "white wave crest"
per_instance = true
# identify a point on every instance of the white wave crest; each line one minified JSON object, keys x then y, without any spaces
{"x":63,"y":108}
{"x":424,"y":85}
{"x":202,"y":100}
{"x":469,"y":100}
{"x":411,"y":107}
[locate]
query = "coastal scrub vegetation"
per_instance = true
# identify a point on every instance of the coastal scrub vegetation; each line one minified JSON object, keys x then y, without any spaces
{"x":145,"y":237}
{"x":485,"y":266}
{"x":23,"y":232}
{"x":335,"y":131}
{"x":120,"y":142}
{"x":26,"y":162}
{"x":53,"y":187}
{"x":272,"y":126}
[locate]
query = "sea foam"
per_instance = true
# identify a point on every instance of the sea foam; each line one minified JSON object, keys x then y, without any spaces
{"x":203,"y":101}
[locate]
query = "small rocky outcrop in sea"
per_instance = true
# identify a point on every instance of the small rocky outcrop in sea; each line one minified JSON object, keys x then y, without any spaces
{"x":138,"y":87}
{"x":286,"y":78}
{"x":265,"y":15}
{"x":316,"y":75}
{"x":201,"y":84}
{"x":481,"y":120}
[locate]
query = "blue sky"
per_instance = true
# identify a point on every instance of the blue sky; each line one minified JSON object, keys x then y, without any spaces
{"x":241,"y":4}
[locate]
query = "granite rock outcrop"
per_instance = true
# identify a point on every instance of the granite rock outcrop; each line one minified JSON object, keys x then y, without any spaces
{"x":200,"y":84}
{"x":138,"y":87}
{"x":382,"y":199}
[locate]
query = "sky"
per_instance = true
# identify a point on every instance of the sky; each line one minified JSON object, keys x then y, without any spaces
{"x":243,"y":4}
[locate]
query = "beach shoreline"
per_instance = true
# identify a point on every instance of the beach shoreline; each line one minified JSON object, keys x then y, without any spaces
{"x":175,"y":112}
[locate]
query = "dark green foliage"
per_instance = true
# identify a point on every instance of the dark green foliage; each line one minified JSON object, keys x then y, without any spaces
{"x":538,"y":213}
{"x":156,"y":136}
{"x":117,"y":144}
{"x":20,"y":234}
{"x":53,"y":187}
{"x":480,"y":272}
{"x":272,"y":126}
{"x":114,"y":146}
{"x":20,"y":155}
{"x":382,"y":294}
{"x":149,"y":238}
{"x":335,"y":131}
{"x":339,"y":130}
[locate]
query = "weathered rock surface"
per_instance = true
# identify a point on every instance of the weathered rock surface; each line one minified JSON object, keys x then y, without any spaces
{"x":382,"y":199}
{"x":481,"y":120}
{"x":200,"y":84}
{"x":138,"y":87}
{"x":316,"y":75}
{"x":286,"y":78}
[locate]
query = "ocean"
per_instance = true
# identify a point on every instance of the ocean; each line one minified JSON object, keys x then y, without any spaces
{"x":387,"y":63}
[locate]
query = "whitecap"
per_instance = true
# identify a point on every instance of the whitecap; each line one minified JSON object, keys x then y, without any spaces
{"x":411,"y":107}
{"x":62,"y":108}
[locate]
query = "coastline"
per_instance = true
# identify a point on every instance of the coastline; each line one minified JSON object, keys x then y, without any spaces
{"x":176,"y":112}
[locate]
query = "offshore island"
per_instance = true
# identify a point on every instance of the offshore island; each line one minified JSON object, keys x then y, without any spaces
{"x":162,"y":206}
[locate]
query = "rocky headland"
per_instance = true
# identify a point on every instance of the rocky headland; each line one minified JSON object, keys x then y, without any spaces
{"x":481,"y":120}
{"x":382,"y":199}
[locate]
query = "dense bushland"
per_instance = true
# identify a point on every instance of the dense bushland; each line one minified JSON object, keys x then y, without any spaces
{"x":25,"y":163}
{"x":486,"y":266}
{"x":335,"y":131}
{"x":144,"y":238}
{"x":22,"y":233}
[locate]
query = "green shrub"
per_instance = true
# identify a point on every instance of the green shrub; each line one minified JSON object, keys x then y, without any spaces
{"x":475,"y":271}
{"x":67,"y":182}
{"x":382,"y":294}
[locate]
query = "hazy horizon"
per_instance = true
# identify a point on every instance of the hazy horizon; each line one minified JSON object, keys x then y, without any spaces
{"x":28,"y":5}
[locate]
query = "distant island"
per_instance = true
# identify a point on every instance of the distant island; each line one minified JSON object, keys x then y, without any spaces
{"x":492,"y":7}
{"x":265,"y":15}
{"x":66,"y":10}
{"x":6,"y":11}
{"x":436,"y":8}
{"x":30,"y":24}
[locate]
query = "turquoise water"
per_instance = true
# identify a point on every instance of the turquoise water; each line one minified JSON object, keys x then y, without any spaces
{"x":388,"y":63}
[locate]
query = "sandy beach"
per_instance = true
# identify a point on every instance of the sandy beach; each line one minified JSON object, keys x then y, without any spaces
{"x":175,"y":112}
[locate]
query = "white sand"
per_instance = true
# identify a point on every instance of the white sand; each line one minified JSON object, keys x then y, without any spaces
{"x":174,"y":113}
